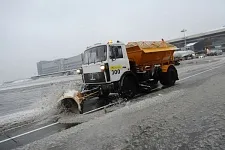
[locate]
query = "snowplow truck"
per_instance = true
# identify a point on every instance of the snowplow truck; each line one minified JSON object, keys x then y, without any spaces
{"x":124,"y":69}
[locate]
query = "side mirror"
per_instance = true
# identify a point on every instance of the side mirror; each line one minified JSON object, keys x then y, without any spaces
{"x":112,"y":57}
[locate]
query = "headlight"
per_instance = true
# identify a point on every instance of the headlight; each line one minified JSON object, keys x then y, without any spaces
{"x":78,"y":71}
{"x":102,"y":68}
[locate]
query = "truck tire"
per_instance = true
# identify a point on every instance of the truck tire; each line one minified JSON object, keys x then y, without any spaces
{"x":163,"y":80}
{"x":156,"y":75}
{"x":129,"y":87}
{"x":168,"y":78}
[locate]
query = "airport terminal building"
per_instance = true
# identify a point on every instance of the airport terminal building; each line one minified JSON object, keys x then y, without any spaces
{"x":209,"y":39}
{"x":198,"y":43}
{"x":59,"y":65}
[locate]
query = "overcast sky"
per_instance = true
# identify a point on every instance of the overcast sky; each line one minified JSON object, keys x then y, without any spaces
{"x":34,"y":30}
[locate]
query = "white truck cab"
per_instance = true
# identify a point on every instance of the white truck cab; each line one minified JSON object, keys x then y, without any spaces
{"x":104,"y":63}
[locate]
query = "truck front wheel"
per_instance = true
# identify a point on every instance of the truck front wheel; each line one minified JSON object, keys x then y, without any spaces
{"x":128,"y":88}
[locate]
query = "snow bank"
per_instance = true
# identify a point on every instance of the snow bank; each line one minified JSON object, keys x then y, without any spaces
{"x":38,"y":82}
{"x":40,"y":110}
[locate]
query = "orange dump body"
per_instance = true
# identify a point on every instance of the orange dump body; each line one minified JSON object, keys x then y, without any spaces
{"x":148,"y":53}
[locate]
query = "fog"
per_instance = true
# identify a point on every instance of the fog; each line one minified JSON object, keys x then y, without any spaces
{"x":32,"y":30}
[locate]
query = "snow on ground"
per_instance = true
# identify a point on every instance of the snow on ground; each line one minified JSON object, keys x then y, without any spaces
{"x":40,"y":81}
{"x":20,"y":81}
{"x":198,"y":64}
{"x":100,"y":124}
{"x":42,"y":107}
{"x":43,"y":100}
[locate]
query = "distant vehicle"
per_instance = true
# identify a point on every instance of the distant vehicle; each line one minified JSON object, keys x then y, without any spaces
{"x":183,"y":55}
{"x":200,"y":55}
{"x":214,"y":52}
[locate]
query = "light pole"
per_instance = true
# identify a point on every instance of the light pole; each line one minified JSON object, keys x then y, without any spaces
{"x":184,"y":30}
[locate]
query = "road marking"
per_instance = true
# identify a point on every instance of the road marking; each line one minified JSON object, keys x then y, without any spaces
{"x":199,"y":73}
{"x":103,"y":107}
{"x":96,"y":109}
{"x":19,"y":126}
{"x":28,"y":132}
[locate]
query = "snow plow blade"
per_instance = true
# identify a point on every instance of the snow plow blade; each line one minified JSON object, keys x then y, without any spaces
{"x":73,"y":100}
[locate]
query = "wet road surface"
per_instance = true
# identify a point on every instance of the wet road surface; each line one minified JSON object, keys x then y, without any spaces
{"x":189,"y":115}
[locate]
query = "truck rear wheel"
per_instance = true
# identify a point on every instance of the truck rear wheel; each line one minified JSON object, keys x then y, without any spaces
{"x":168,"y":78}
{"x":129,"y":87}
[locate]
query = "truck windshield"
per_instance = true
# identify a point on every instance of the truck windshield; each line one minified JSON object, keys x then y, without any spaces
{"x":95,"y":54}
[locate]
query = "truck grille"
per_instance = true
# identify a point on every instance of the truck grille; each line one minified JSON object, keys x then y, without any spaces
{"x":94,"y":77}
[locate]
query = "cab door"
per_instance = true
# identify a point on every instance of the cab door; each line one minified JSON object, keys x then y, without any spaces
{"x":118,"y":61}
